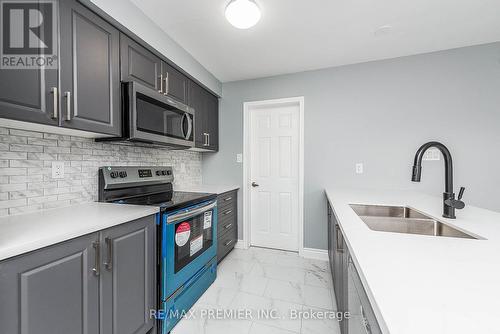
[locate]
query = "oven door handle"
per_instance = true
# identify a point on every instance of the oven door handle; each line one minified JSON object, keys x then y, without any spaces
{"x":191,"y":213}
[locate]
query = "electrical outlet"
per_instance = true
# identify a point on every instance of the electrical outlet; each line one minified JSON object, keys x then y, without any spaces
{"x":239,"y":158}
{"x":359,"y":168}
{"x":57,"y":169}
{"x":432,"y":154}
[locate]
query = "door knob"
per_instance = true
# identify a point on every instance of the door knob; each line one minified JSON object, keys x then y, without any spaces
{"x":255,"y":184}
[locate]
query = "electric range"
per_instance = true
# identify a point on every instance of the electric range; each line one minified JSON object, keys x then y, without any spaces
{"x":186,"y":233}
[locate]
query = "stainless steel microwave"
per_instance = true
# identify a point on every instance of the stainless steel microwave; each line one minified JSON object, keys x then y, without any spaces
{"x":153,"y":118}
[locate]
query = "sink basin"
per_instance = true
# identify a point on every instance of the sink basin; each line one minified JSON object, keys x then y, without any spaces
{"x":401,"y":219}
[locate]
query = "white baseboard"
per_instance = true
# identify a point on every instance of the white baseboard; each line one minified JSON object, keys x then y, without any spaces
{"x":314,"y":253}
{"x":240,"y":244}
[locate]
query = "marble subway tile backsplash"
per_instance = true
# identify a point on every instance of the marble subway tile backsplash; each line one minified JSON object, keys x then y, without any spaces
{"x":26,"y":157}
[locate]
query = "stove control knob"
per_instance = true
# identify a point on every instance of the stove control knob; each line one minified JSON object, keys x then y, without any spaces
{"x":169,"y":172}
{"x":113,"y":175}
{"x":158,"y":172}
{"x":123,"y":174}
{"x":163,"y":172}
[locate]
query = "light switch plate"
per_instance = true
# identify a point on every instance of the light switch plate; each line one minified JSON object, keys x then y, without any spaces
{"x":239,"y":158}
{"x":359,"y":168}
{"x":57,"y":169}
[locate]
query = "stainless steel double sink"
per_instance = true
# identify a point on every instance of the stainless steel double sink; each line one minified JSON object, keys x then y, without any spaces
{"x":402,"y":219}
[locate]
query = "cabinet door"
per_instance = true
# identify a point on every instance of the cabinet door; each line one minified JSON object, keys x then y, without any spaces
{"x":175,"y":83}
{"x":128,"y":277}
{"x":90,"y":71}
{"x":139,"y":64}
{"x":213,"y":121}
{"x":28,"y":95}
{"x":198,"y":101}
{"x":52,"y":290}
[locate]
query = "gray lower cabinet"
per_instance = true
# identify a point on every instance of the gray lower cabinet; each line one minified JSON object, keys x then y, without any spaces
{"x":362,"y":318}
{"x":84,"y":285}
{"x":350,"y":295}
{"x":90,"y":71}
{"x":128,"y":277}
{"x":227,"y":223}
{"x":52,"y":290}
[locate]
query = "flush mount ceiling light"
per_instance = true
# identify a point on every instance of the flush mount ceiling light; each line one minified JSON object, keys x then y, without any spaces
{"x":242,"y":14}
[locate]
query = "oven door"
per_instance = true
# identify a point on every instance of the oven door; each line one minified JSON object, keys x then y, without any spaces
{"x":189,"y":242}
{"x":155,"y":118}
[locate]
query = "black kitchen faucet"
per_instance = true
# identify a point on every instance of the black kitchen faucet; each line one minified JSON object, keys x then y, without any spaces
{"x":449,"y":201}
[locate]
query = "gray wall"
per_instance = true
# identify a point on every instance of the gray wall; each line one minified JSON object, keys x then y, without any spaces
{"x":131,"y":17}
{"x":379,"y":113}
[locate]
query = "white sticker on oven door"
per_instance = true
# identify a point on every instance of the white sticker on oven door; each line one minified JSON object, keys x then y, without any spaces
{"x":182,"y":233}
{"x":207,"y":220}
{"x":196,"y":245}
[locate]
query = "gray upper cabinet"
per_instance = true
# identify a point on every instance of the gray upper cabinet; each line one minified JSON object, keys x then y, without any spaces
{"x":128,"y":277}
{"x":53,"y":290}
{"x":206,"y":108}
{"x":139,"y":64}
{"x":90,"y":71}
{"x":175,"y":84}
{"x":28,"y":95}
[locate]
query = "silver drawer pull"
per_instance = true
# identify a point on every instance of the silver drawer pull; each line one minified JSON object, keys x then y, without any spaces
{"x":228,"y":212}
{"x":228,"y":199}
{"x":161,"y":84}
{"x":229,"y":242}
{"x":228,"y":225}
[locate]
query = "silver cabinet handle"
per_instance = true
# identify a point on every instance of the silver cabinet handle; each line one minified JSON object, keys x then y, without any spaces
{"x":340,"y":249}
{"x":228,"y":198}
{"x":56,"y":98}
{"x":161,"y":84}
{"x":68,"y":105}
{"x":228,"y":226}
{"x":167,"y":84}
{"x":97,"y":261}
{"x":228,"y":212}
{"x":109,"y":262}
{"x":206,"y":139}
{"x":229,"y":242}
{"x":208,"y":142}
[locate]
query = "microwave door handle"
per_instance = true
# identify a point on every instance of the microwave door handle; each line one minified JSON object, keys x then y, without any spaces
{"x":189,"y":214}
{"x":182,"y":125}
{"x":190,"y":126}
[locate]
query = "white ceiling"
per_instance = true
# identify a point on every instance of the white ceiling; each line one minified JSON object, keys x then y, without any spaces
{"x":299,"y":35}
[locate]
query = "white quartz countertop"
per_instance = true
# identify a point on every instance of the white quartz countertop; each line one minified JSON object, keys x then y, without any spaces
{"x":27,"y":232}
{"x":425,"y":284}
{"x":209,"y":188}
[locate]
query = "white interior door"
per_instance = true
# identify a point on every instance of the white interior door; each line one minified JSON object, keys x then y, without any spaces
{"x":274,"y":175}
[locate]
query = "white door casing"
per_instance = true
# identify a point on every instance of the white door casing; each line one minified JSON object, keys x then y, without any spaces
{"x":273,"y":159}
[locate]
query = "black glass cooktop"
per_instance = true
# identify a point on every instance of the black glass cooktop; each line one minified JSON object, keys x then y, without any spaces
{"x":170,"y":200}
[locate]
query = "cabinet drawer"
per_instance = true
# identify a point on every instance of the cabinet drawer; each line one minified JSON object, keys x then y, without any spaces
{"x":226,"y":242}
{"x":226,"y":224}
{"x":226,"y":211}
{"x":227,"y":200}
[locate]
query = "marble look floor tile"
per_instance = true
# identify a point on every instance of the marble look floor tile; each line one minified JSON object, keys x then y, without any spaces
{"x":318,"y":278}
{"x":249,"y":301}
{"x":278,"y":272}
{"x":237,"y":266}
{"x":258,"y":328}
{"x":285,"y":291}
{"x":284,"y":316}
{"x":218,"y":326}
{"x":217,"y":296}
{"x":317,"y":297}
{"x":330,"y":325}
